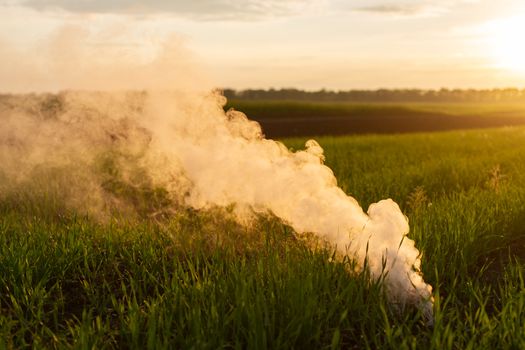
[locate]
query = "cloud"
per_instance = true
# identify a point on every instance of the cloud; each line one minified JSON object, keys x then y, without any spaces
{"x":410,"y":8}
{"x":404,"y":10}
{"x":202,"y":9}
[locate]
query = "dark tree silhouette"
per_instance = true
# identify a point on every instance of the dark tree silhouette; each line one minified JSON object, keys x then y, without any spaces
{"x":381,"y":95}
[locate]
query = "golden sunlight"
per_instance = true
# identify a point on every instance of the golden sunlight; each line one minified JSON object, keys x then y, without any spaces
{"x":506,"y":43}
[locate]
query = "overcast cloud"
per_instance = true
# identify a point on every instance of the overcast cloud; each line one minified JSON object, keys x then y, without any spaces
{"x":404,"y":9}
{"x":408,"y":8}
{"x":196,"y":9}
{"x":243,"y":9}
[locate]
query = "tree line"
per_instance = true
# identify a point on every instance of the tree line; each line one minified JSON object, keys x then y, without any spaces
{"x":382,"y":95}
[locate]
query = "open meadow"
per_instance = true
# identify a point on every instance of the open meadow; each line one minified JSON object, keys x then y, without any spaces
{"x":198,"y":279}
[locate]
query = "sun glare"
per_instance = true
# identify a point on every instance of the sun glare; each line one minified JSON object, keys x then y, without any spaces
{"x":506,"y":43}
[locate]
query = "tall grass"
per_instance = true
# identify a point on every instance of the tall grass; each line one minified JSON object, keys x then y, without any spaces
{"x":200,"y":280}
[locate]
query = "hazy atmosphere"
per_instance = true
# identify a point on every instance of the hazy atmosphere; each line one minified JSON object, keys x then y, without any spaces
{"x":309,"y":44}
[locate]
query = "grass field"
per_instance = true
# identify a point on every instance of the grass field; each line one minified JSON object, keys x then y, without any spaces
{"x":292,"y":118}
{"x":199,"y":280}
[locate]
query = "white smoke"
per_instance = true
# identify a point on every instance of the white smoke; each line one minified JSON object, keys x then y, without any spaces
{"x":228,"y":162}
{"x":182,"y":141}
{"x":187,"y":144}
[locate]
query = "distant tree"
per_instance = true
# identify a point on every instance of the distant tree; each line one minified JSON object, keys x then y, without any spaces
{"x":382,"y":95}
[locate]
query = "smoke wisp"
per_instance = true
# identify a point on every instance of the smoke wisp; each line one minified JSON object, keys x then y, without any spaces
{"x":186,"y":146}
{"x":100,"y":151}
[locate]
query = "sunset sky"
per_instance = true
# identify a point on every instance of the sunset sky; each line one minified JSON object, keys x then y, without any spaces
{"x":308,"y":44}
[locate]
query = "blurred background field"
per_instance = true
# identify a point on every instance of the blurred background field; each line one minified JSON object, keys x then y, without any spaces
{"x":285,"y":118}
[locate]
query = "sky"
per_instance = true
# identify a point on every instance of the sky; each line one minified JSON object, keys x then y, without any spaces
{"x":308,"y":44}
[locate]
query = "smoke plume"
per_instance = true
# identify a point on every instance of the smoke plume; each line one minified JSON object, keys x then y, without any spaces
{"x":98,"y":150}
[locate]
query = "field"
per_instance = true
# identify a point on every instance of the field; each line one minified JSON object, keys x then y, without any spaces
{"x":200,"y":280}
{"x":292,"y":118}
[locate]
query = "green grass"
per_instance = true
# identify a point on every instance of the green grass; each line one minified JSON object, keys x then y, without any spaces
{"x":199,"y":280}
